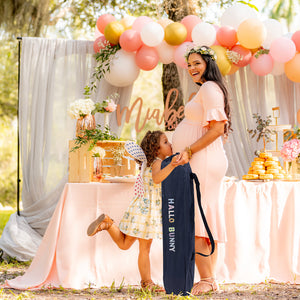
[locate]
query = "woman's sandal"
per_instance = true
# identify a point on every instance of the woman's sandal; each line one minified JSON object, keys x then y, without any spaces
{"x":149,"y":285}
{"x":199,"y":287}
{"x":103,"y":222}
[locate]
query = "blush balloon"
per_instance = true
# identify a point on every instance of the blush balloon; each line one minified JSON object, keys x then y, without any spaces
{"x":130,"y":40}
{"x":146,"y":58}
{"x":262,"y":65}
{"x":190,"y":22}
{"x":103,"y":21}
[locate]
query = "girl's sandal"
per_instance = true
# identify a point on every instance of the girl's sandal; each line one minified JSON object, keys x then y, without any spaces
{"x":103,"y":222}
{"x":205,"y":286}
{"x":149,"y":285}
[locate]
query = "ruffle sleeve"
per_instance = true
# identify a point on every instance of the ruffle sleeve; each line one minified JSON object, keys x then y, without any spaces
{"x":213,"y":103}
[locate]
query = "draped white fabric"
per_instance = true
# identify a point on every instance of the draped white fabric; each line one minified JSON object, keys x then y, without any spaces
{"x":53,"y":74}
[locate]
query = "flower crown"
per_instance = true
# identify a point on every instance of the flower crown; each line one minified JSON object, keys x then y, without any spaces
{"x":203,"y":50}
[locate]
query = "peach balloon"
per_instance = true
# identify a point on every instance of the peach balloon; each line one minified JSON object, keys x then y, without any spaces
{"x":175,"y":34}
{"x":190,"y":22}
{"x":103,"y":21}
{"x":140,"y":22}
{"x":130,"y":40}
{"x":113,"y":31}
{"x":127,"y":22}
{"x":226,"y":36}
{"x":282,"y":49}
{"x":292,"y":68}
{"x":251,"y":33}
{"x":165,"y":52}
{"x":164,"y":22}
{"x":146,"y":58}
{"x":296,"y":40}
{"x":244,"y":53}
{"x":233,"y":69}
{"x":262,"y":65}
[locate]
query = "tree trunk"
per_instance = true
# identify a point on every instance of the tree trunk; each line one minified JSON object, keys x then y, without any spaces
{"x":176,"y":10}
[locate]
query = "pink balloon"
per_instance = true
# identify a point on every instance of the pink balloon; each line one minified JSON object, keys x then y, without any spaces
{"x":165,"y":52}
{"x":103,"y":21}
{"x":296,"y":40}
{"x":262,"y":65}
{"x":139,"y":22}
{"x":282,"y":49}
{"x":226,"y":36}
{"x":130,"y":40}
{"x":190,"y":22}
{"x":100,"y":43}
{"x":179,"y":53}
{"x":244,"y":53}
{"x":146,"y":58}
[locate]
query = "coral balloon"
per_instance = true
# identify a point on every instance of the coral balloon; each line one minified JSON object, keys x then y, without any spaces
{"x":296,"y":40}
{"x":140,"y":22}
{"x":282,"y":49}
{"x":130,"y":40}
{"x":245,"y":55}
{"x":274,"y":30}
{"x":152,"y":34}
{"x":204,"y":34}
{"x":262,"y":65}
{"x":123,"y":69}
{"x":251,"y":33}
{"x":292,"y":68}
{"x":113,"y":31}
{"x":236,"y":14}
{"x":127,"y":22}
{"x":175,"y":34}
{"x":278,"y":68}
{"x":226,"y":36}
{"x":103,"y":21}
{"x":190,"y":22}
{"x":165,"y":52}
{"x":164,"y":22}
{"x":179,"y":53}
{"x":223,"y":62}
{"x":100,"y":43}
{"x":146,"y":58}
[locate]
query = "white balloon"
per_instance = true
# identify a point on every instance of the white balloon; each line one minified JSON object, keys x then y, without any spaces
{"x":236,"y":14}
{"x":278,"y":68}
{"x":123,"y":69}
{"x":165,"y":52}
{"x":274,"y":31}
{"x":204,"y":34}
{"x":152,"y":34}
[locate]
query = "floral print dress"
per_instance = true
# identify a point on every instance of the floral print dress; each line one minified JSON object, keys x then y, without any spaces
{"x":143,"y":216}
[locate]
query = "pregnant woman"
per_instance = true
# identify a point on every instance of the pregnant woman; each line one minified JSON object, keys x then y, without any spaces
{"x":198,"y":138}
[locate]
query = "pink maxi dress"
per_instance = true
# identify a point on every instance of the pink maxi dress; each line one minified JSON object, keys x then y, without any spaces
{"x":210,"y":164}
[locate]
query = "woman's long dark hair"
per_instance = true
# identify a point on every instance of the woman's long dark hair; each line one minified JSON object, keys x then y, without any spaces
{"x":212,"y":73}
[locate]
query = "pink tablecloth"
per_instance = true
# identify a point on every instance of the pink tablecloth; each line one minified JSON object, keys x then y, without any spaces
{"x":263,"y":231}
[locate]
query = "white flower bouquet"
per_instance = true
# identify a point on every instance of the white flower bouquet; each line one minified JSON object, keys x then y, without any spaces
{"x":98,"y":152}
{"x":80,"y":108}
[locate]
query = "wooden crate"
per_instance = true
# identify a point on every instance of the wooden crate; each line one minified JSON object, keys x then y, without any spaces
{"x":81,"y":161}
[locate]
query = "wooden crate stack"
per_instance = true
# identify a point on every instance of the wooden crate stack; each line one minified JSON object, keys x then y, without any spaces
{"x":81,"y":161}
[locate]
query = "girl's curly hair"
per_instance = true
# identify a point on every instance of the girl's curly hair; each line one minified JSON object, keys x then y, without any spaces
{"x":150,"y":145}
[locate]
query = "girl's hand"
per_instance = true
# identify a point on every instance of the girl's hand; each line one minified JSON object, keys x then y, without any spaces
{"x":182,"y":158}
{"x":174,"y":162}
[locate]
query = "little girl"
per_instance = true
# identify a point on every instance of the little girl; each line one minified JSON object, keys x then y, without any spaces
{"x":142,"y":220}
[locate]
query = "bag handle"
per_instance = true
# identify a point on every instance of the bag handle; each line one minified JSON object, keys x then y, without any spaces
{"x":211,"y":239}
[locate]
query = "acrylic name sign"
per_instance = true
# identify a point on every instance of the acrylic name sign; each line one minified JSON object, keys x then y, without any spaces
{"x":170,"y":115}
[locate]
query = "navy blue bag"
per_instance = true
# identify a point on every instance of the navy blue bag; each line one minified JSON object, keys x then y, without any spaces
{"x":179,"y":228}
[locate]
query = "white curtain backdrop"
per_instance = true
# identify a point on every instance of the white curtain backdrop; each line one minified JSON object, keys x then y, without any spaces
{"x":53,"y":74}
{"x":251,"y":94}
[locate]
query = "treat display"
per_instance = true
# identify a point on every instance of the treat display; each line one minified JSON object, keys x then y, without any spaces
{"x":266,"y":167}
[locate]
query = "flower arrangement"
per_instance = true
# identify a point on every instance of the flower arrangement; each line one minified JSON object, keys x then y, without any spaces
{"x":98,"y":152}
{"x":203,"y":50}
{"x":290,"y":150}
{"x":118,"y":153}
{"x":107,"y":105}
{"x":81,"y":108}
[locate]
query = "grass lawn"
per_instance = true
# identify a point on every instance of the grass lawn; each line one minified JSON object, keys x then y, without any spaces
{"x":4,"y":216}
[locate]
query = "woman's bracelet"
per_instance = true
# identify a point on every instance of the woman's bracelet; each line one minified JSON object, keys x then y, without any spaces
{"x":189,"y":151}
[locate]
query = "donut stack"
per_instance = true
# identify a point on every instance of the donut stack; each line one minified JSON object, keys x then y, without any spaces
{"x":265,"y":167}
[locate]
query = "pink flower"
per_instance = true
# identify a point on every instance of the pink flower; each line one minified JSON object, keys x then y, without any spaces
{"x":290,"y":150}
{"x":111,"y":106}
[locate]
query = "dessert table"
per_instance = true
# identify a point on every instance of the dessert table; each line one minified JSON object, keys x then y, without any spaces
{"x":263,"y":238}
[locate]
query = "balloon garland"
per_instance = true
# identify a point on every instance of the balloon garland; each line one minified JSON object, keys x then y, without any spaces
{"x":241,"y":39}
